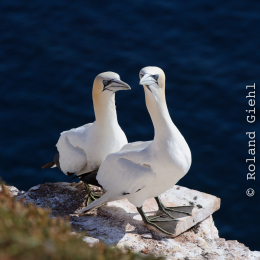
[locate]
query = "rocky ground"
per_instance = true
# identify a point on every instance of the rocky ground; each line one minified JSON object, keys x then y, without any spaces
{"x":119,"y":224}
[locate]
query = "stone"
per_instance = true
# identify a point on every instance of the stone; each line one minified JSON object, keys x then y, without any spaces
{"x":204,"y":206}
{"x":117,"y":223}
{"x":255,"y":255}
{"x":147,"y":236}
{"x":90,"y":240}
{"x":13,"y":190}
{"x":35,"y":187}
{"x":61,"y":197}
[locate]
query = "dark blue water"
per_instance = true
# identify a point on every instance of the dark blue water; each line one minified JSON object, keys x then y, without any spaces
{"x":51,"y":51}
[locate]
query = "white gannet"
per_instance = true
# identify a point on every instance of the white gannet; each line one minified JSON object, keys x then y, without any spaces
{"x":81,"y":150}
{"x":144,"y":170}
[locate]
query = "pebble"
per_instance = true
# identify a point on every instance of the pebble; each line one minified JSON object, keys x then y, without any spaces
{"x":145,"y":251}
{"x":147,"y":236}
{"x":91,"y":240}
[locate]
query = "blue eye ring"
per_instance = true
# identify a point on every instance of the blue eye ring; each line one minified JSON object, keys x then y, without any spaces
{"x":156,"y":77}
{"x":105,"y":82}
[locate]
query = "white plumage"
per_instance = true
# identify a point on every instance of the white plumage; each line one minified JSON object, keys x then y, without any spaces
{"x":143,"y":170}
{"x":84,"y":148}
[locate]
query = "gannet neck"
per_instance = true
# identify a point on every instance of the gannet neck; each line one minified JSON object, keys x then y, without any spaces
{"x":105,"y":109}
{"x":157,"y":108}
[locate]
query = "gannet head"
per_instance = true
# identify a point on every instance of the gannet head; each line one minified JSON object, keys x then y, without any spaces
{"x":103,"y":93}
{"x":152,"y":78}
{"x":108,"y":82}
{"x":153,"y":81}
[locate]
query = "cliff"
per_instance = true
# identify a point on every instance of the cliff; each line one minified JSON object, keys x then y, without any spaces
{"x":118,"y":223}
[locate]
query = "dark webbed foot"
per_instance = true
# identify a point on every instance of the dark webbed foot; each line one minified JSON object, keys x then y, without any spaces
{"x":161,"y":222}
{"x":174,"y":212}
{"x":91,"y":195}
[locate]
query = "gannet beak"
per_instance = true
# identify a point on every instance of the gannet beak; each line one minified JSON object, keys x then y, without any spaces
{"x":118,"y":84}
{"x":147,"y":80}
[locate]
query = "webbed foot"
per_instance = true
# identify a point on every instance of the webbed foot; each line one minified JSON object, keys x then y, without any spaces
{"x":160,"y":221}
{"x":175,"y":212}
{"x":91,"y":195}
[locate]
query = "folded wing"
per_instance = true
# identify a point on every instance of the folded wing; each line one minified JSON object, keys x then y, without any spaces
{"x":122,"y":176}
{"x":72,"y":156}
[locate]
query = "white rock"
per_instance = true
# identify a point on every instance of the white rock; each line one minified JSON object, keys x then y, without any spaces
{"x":90,"y":240}
{"x":255,"y":255}
{"x":147,"y":236}
{"x":176,"y":196}
{"x":13,"y":190}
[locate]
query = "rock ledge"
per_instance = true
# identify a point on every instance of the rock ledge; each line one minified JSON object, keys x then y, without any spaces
{"x":118,"y":223}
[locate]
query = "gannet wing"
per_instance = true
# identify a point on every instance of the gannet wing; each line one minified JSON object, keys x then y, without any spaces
{"x":72,"y":156}
{"x":122,"y":176}
{"x":135,"y":145}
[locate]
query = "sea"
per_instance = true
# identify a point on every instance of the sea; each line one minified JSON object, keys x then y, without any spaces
{"x":51,"y":51}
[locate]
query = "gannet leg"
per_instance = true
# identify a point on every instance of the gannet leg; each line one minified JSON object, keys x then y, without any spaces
{"x":179,"y":211}
{"x":166,"y":226}
{"x":91,"y":195}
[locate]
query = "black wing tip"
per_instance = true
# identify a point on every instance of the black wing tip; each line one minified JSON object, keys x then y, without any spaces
{"x":50,"y":164}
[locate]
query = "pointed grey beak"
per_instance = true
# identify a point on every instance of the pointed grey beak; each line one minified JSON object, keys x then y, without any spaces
{"x":147,"y":80}
{"x":118,"y":84}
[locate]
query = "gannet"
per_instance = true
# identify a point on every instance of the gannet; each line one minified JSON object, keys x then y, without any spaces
{"x":81,"y":150}
{"x":144,"y":170}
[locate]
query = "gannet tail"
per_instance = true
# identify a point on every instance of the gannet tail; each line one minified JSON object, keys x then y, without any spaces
{"x":103,"y":199}
{"x":54,"y":163}
{"x":50,"y":164}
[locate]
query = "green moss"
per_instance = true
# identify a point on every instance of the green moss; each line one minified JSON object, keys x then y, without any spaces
{"x":28,"y":233}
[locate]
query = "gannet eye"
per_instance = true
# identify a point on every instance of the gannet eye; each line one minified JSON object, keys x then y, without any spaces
{"x":155,"y":76}
{"x":105,"y":82}
{"x":141,"y":75}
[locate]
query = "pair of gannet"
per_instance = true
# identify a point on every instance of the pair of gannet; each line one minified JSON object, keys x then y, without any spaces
{"x":144,"y":170}
{"x":82,"y":150}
